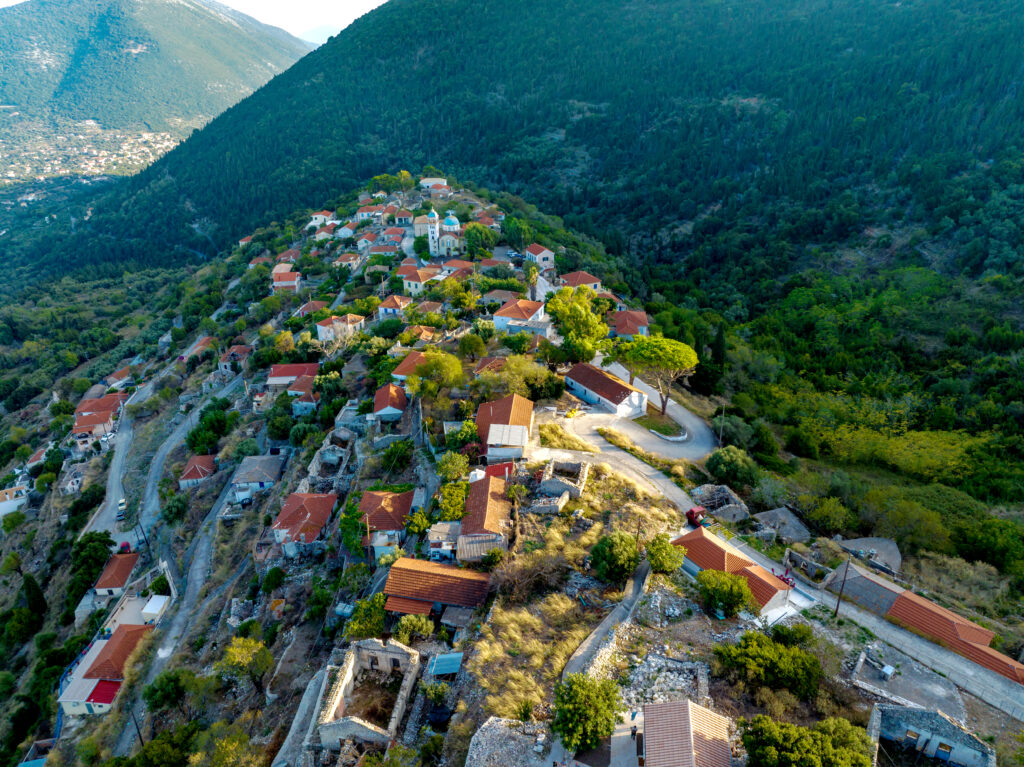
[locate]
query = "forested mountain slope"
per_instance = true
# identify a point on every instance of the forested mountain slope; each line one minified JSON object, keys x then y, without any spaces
{"x":813,"y":118}
{"x":159,"y":64}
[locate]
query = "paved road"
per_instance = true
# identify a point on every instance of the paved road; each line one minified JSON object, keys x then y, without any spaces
{"x":701,"y":438}
{"x":198,"y":562}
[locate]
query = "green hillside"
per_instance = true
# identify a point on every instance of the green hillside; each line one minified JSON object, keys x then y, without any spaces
{"x":814,"y":118}
{"x":156,"y":64}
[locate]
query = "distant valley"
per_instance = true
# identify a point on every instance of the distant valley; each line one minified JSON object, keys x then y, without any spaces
{"x":106,"y":88}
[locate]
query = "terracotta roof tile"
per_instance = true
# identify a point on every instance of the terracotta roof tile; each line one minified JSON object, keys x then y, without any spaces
{"x":680,"y":733}
{"x":629,"y":322}
{"x":408,"y":365}
{"x":407,"y":606}
{"x":709,"y":552}
{"x":384,"y":510}
{"x":512,"y":410}
{"x":304,"y":515}
{"x":199,"y":467}
{"x":429,"y":582}
{"x":487,"y":508}
{"x":601,"y":382}
{"x":294,"y":370}
{"x":110,"y":661}
{"x":395,"y":302}
{"x":575,"y":279}
{"x":117,"y":571}
{"x":519,"y":309}
{"x":389,"y":395}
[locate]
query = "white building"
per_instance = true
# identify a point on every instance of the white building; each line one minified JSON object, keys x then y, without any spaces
{"x":598,"y":387}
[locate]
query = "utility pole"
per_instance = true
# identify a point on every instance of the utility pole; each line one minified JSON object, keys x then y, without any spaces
{"x":842,"y":587}
{"x":136,"y":723}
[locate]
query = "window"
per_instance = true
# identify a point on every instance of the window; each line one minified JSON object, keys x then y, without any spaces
{"x":395,"y":665}
{"x":911,"y":735}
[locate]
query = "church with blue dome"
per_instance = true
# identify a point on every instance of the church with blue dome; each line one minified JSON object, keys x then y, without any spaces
{"x":445,"y":236}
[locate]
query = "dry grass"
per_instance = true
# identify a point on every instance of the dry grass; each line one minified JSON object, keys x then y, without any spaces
{"x":553,"y":435}
{"x":680,"y":471}
{"x":622,"y":505}
{"x":521,"y":652}
{"x":974,"y":589}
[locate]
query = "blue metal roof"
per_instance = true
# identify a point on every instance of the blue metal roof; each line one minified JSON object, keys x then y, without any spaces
{"x":449,"y":663}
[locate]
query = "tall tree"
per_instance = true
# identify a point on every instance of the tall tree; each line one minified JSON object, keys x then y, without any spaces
{"x":661,"y":361}
{"x":581,"y":328}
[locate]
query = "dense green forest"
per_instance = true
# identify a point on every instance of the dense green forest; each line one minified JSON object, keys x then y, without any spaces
{"x":794,"y":123}
{"x":157,"y":64}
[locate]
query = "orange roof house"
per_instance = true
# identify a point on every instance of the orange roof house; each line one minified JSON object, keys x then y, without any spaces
{"x":381,"y":510}
{"x":706,"y":551}
{"x":408,"y":365}
{"x":519,"y":309}
{"x":487,"y":508}
{"x":110,"y":662}
{"x":303,"y":517}
{"x":116,"y":573}
{"x":389,"y":402}
{"x":960,"y":635}
{"x":578,"y":279}
{"x":629,"y":323}
{"x":680,"y":733}
{"x":418,"y":585}
{"x":512,"y":410}
{"x":198,"y":469}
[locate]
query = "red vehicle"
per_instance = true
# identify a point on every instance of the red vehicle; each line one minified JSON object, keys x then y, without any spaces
{"x":126,"y":548}
{"x":697,"y":516}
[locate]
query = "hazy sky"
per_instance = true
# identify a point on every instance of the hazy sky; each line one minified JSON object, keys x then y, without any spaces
{"x":300,"y":17}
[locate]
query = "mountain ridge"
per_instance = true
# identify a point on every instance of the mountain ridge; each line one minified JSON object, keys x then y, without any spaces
{"x":162,"y":64}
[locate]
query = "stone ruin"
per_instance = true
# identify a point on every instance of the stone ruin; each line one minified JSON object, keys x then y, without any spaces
{"x":564,"y":477}
{"x":721,"y":502}
{"x":359,"y":684}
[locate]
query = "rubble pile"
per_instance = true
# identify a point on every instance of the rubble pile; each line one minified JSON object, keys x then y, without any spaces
{"x":659,"y":678}
{"x":503,"y":742}
{"x":662,"y":607}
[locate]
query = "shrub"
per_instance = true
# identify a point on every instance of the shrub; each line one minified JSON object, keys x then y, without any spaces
{"x":452,"y":466}
{"x":274,"y":578}
{"x":453,"y":500}
{"x":801,"y":442}
{"x":663,"y":556}
{"x":732,"y":466}
{"x":831,"y":742}
{"x":725,"y":592}
{"x":367,"y":619}
{"x":397,"y":457}
{"x":413,"y":625}
{"x":435,"y":692}
{"x":759,"y":661}
{"x":615,"y":557}
{"x":585,"y":711}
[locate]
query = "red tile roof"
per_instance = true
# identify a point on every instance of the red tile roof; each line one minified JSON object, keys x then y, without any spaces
{"x":384,"y":510}
{"x":292,"y":254}
{"x":953,"y":631}
{"x":408,"y":365}
{"x":601,"y":382}
{"x":457,"y":263}
{"x":395,"y":302}
{"x":387,"y":396}
{"x":519,"y":309}
{"x":512,"y":410}
{"x":117,"y":571}
{"x":199,"y":467}
{"x":680,"y":733}
{"x":236,"y":352}
{"x":312,"y":306}
{"x":487,"y":508}
{"x":108,"y":403}
{"x":490,"y":364}
{"x":537,"y":250}
{"x":110,"y":661}
{"x":709,"y":552}
{"x":407,"y":606}
{"x":286,"y":278}
{"x":628,"y":323}
{"x":575,"y":279}
{"x":429,"y":306}
{"x":87,"y":422}
{"x":304,"y":515}
{"x":429,"y":582}
{"x":394,"y":230}
{"x":294,"y":370}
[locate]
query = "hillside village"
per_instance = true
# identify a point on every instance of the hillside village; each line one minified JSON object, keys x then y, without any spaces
{"x":415,"y":486}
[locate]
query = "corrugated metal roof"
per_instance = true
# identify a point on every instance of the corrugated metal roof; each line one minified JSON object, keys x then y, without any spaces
{"x":449,"y":663}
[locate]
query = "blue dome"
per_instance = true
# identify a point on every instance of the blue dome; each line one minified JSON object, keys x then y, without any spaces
{"x":451,"y":221}
{"x":432,"y":214}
